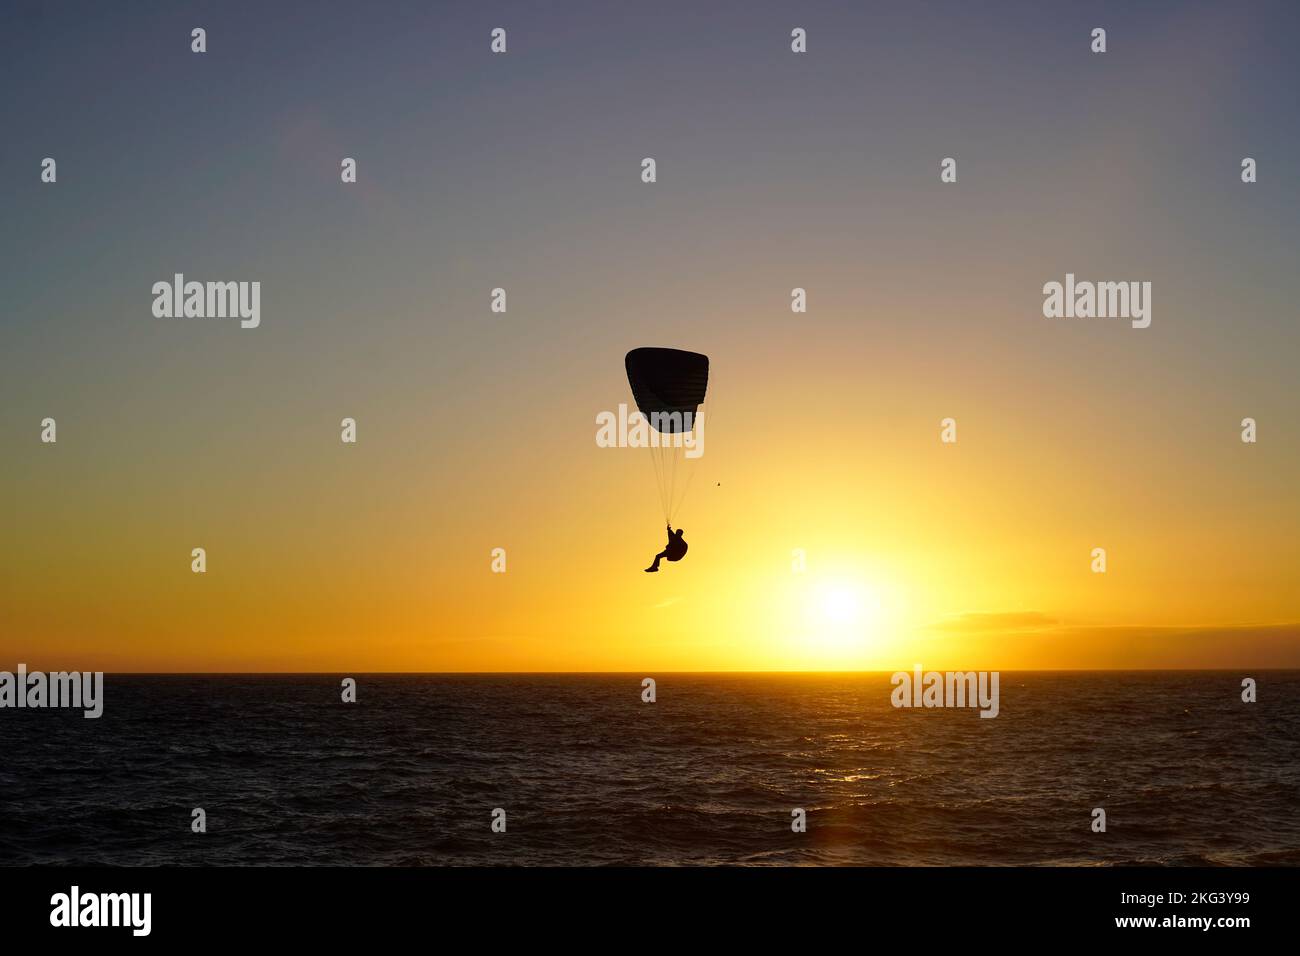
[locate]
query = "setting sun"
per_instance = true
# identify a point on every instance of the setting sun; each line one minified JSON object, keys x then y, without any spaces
{"x":842,"y":604}
{"x":841,"y":620}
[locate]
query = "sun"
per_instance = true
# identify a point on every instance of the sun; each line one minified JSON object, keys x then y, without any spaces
{"x":841,"y":621}
{"x":846,"y":618}
{"x":841,"y":605}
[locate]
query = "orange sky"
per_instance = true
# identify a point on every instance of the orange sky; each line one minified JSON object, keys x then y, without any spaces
{"x":477,"y":430}
{"x":376,"y":557}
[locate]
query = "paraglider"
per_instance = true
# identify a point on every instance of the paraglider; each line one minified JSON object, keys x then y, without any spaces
{"x":675,"y":550}
{"x":669,"y":385}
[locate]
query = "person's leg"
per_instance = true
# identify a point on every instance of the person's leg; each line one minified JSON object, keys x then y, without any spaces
{"x":658,"y":557}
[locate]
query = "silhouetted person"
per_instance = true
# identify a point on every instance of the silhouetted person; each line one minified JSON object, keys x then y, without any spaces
{"x":675,"y":551}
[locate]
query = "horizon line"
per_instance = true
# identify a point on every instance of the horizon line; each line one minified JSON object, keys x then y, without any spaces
{"x":740,"y":673}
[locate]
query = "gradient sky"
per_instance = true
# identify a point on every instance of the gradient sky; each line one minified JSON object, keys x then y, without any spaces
{"x":477,"y":430}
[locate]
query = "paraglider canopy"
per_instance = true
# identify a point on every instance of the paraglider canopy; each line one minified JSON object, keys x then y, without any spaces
{"x":669,"y":386}
{"x":668,"y":381}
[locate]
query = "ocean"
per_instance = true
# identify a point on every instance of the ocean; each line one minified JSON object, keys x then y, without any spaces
{"x":587,"y":774}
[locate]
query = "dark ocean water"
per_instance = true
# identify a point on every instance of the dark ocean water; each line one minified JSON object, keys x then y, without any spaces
{"x":588,"y":774}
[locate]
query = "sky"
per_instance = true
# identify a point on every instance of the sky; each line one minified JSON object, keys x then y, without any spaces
{"x":477,"y":430}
